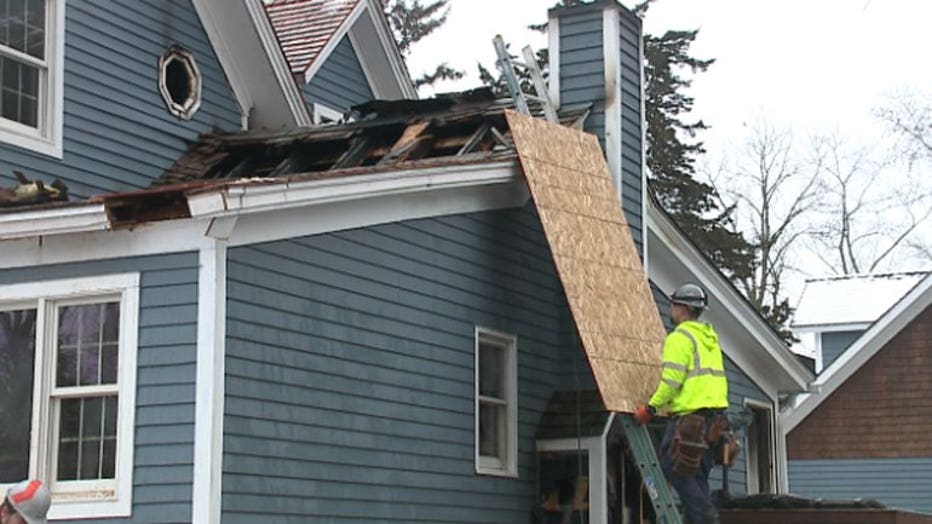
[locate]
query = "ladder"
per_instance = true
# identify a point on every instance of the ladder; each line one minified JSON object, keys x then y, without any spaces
{"x":655,"y":483}
{"x":507,"y":67}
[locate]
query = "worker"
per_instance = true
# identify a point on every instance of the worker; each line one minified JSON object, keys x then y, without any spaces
{"x":694,"y":389}
{"x":26,"y":503}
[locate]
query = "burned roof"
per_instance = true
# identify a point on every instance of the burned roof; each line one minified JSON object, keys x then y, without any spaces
{"x":469,"y":126}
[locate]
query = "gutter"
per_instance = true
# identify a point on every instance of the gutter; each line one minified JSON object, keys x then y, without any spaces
{"x":53,"y":221}
{"x":253,"y":196}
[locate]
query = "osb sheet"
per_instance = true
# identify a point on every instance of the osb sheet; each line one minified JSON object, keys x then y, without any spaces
{"x":602,"y":275}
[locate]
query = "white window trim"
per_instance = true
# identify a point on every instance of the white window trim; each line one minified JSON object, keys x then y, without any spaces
{"x":761,"y":406}
{"x":47,"y":139}
{"x":597,"y":468}
{"x":321,"y":112}
{"x":186,"y":110}
{"x":491,"y":465}
{"x":66,"y":504}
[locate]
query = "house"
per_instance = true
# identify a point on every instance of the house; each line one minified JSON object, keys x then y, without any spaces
{"x":240,"y":317}
{"x":827,"y":319}
{"x":863,"y":433}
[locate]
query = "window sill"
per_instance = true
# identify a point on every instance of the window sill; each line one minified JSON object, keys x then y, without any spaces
{"x":494,"y":472}
{"x":87,"y":509}
{"x":29,"y":139}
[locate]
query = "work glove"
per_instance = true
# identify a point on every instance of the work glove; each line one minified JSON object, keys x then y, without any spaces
{"x":643,"y":414}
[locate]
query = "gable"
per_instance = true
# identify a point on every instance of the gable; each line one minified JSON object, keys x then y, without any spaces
{"x":883,"y":409}
{"x":340,"y":83}
{"x":118,"y":134}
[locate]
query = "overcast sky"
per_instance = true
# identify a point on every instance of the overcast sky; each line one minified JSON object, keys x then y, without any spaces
{"x":813,"y":65}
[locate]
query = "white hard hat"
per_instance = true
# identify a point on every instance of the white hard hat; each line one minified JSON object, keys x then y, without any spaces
{"x":31,"y":499}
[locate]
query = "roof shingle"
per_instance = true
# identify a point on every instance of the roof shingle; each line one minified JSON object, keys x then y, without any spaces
{"x":304,"y":27}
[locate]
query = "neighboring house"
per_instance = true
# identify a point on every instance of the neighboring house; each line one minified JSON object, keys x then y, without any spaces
{"x":865,"y":433}
{"x":367,"y":322}
{"x":833,"y":312}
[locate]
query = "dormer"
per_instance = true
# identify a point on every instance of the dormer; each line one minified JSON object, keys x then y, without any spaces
{"x":341,"y":53}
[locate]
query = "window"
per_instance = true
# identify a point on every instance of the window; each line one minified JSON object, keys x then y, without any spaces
{"x":180,"y":82}
{"x":67,"y":365}
{"x":496,"y":403}
{"x":31,"y":49}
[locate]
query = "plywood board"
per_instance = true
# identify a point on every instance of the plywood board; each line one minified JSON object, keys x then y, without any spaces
{"x":602,"y":275}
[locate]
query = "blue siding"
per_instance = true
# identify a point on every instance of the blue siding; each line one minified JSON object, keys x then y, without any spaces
{"x":340,"y":82}
{"x":835,"y":343}
{"x":582,"y":81}
{"x":163,"y":474}
{"x":631,"y":132}
{"x":118,"y":134}
{"x":899,"y":483}
{"x":350,"y":376}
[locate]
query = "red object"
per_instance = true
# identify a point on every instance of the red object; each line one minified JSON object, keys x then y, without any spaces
{"x":643,"y":414}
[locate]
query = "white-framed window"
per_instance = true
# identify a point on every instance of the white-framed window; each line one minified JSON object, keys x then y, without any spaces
{"x":68,"y":380}
{"x":496,"y":409}
{"x":31,"y":74}
{"x":323,"y":115}
{"x":180,"y":82}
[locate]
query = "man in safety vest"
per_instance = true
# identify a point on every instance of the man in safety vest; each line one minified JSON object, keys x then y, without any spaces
{"x":693,"y":387}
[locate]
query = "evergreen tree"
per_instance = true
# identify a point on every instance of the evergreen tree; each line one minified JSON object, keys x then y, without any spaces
{"x":672,"y":151}
{"x":411,"y":21}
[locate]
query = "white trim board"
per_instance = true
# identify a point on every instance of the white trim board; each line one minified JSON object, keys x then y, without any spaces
{"x":248,"y":50}
{"x":748,"y":340}
{"x":611,"y":47}
{"x":283,"y":210}
{"x":379,"y":56}
{"x":553,"y":38}
{"x":209,"y":396}
{"x":862,"y":350}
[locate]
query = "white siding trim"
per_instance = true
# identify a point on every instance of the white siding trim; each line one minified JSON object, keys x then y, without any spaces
{"x":89,"y":217}
{"x":553,"y":37}
{"x":279,"y":64}
{"x":645,"y":195}
{"x":208,"y":420}
{"x":865,"y":347}
{"x":597,"y":470}
{"x":774,"y":455}
{"x":375,"y":46}
{"x":611,"y":43}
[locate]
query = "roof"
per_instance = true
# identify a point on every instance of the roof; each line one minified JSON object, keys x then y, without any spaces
{"x":304,"y":27}
{"x":911,"y":305}
{"x":851,"y":299}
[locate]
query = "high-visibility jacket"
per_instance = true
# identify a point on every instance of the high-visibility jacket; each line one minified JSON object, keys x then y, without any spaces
{"x":693,"y":375}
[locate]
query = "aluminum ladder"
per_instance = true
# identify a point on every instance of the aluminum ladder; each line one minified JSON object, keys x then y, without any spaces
{"x":655,"y":483}
{"x":507,"y":67}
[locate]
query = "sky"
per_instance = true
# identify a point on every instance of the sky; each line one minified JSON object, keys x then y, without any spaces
{"x":811,"y":67}
{"x":808,"y":65}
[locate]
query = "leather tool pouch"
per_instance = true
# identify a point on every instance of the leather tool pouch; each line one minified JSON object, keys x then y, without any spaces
{"x":728,"y":450}
{"x":688,"y":445}
{"x":718,"y":425}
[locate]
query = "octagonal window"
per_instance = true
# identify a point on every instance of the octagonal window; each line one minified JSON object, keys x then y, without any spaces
{"x":180,"y":82}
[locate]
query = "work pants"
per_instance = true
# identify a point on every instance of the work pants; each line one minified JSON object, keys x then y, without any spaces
{"x":693,"y":491}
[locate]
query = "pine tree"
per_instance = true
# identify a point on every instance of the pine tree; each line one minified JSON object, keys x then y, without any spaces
{"x":411,"y":21}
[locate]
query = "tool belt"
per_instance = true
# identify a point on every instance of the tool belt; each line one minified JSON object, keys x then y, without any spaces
{"x":695,"y":434}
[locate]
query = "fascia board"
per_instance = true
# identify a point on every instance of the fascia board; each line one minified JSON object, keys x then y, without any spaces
{"x":225,"y":54}
{"x":794,"y":372}
{"x":863,"y":349}
{"x":282,"y":72}
{"x":831,"y":328}
{"x":334,"y":41}
{"x":253,"y":198}
{"x":25,"y":224}
{"x":390,"y":47}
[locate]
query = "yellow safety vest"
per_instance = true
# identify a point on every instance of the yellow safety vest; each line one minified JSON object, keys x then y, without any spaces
{"x":693,"y":375}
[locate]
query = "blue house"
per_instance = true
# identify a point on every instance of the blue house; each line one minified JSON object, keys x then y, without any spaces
{"x":238,"y":316}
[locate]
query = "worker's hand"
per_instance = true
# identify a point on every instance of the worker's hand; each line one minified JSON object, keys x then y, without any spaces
{"x":643,"y":414}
